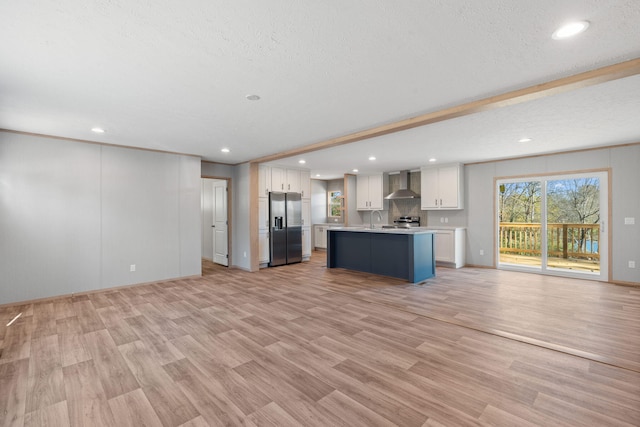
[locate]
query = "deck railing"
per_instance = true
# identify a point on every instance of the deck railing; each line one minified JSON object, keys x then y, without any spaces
{"x":563,"y":240}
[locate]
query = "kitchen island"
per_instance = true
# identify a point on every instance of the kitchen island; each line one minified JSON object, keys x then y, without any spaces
{"x":403,"y":253}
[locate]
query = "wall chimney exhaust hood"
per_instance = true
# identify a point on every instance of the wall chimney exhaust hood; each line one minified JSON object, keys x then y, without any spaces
{"x":403,"y":192}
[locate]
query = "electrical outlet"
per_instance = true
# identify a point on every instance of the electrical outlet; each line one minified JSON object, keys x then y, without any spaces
{"x":481,"y":251}
{"x":632,"y":264}
{"x":244,"y":254}
{"x":446,"y":219}
{"x":441,"y":219}
{"x":629,"y":221}
{"x":132,"y":267}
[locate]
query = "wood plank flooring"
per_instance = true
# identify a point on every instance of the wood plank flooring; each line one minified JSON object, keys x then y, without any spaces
{"x":304,"y":345}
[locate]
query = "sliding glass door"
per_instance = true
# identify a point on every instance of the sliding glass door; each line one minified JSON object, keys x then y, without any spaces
{"x":554,"y":224}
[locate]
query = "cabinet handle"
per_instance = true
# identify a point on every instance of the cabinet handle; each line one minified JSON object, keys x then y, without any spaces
{"x":288,"y":186}
{"x":440,"y":202}
{"x":435,"y":202}
{"x":266,"y":191}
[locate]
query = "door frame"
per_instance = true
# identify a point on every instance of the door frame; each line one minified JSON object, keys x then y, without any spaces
{"x":544,"y":176}
{"x":229,"y":217}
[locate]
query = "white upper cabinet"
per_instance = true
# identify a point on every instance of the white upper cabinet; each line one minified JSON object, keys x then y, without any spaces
{"x":442,"y":187}
{"x":278,"y":179}
{"x":369,"y":192}
{"x":293,"y":181}
{"x":281,"y":180}
{"x":305,"y":184}
{"x":264,"y":181}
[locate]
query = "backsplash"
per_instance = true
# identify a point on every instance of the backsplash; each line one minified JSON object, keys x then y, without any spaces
{"x":406,"y":206}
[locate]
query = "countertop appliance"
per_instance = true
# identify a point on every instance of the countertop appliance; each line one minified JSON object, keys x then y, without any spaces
{"x":285,"y":228}
{"x":404,"y":222}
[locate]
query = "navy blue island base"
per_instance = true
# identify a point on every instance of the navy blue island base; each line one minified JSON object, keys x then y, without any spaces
{"x":403,"y":254}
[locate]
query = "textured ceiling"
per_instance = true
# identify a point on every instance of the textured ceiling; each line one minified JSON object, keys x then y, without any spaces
{"x":174,"y":75}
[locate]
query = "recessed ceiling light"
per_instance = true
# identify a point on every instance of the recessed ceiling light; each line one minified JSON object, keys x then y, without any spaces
{"x":97,"y":130}
{"x":432,"y":160}
{"x":525,"y":140}
{"x":225,"y":150}
{"x":569,"y":30}
{"x":253,"y":97}
{"x":317,"y":174}
{"x":372,"y":158}
{"x":355,"y":170}
{"x":302,"y":161}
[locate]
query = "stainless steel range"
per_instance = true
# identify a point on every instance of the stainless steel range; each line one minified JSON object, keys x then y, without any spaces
{"x":404,"y":222}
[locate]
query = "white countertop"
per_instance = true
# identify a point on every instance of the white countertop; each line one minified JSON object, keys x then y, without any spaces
{"x":414,"y":230}
{"x":442,"y":227}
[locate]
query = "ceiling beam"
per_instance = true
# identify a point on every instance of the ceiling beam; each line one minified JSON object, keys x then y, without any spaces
{"x":565,"y":84}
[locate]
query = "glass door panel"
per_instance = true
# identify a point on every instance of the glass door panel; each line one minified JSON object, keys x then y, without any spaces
{"x":519,"y":216}
{"x":573,"y":224}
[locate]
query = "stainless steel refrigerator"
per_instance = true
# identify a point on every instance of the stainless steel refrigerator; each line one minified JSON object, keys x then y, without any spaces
{"x":285,"y":228}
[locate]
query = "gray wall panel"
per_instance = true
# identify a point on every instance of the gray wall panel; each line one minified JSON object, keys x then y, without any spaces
{"x":217,"y":170}
{"x":479,"y":206}
{"x":140,"y":216}
{"x":207,"y":218}
{"x":190,"y":221}
{"x":49,"y":217}
{"x":625,"y":177}
{"x":241,"y":240}
{"x":74,"y":216}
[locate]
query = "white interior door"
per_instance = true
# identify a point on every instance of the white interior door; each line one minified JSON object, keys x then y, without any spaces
{"x":220,"y":224}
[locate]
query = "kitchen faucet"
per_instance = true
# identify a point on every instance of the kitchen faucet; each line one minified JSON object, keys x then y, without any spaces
{"x":371,"y":218}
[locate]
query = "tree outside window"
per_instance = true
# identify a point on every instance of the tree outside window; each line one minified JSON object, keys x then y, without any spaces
{"x":334,"y":204}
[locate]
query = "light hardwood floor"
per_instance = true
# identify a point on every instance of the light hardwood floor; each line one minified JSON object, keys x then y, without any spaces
{"x":305,"y":345}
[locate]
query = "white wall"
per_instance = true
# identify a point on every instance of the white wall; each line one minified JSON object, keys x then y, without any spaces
{"x":74,"y":216}
{"x":625,"y":201}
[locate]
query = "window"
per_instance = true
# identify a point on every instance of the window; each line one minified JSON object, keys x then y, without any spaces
{"x":334,"y":204}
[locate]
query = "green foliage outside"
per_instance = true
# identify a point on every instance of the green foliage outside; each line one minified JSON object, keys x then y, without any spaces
{"x":570,"y":202}
{"x":335,"y":204}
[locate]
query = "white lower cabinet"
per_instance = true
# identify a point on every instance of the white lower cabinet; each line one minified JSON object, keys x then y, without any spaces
{"x":306,"y":242}
{"x":320,"y":236}
{"x":263,"y":246}
{"x":450,"y":247}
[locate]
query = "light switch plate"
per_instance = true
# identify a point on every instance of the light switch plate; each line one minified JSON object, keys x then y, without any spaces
{"x":629,"y":221}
